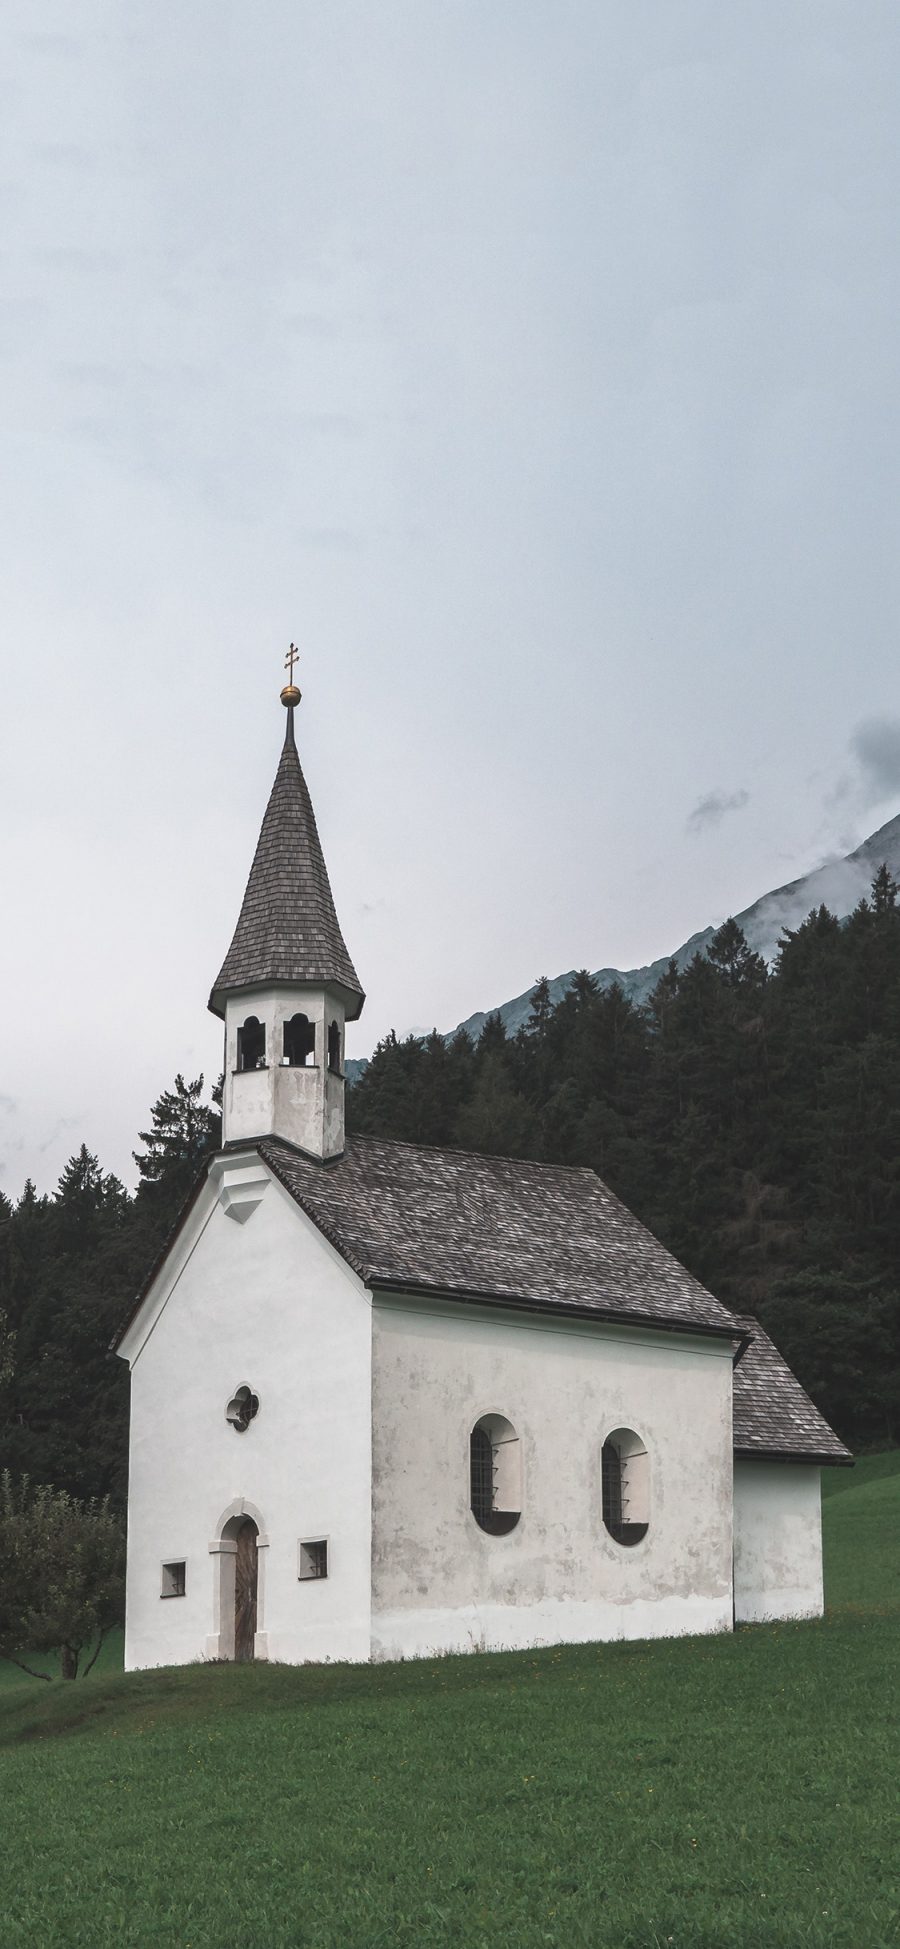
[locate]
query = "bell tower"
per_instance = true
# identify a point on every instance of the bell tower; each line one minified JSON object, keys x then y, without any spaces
{"x":287,"y":986}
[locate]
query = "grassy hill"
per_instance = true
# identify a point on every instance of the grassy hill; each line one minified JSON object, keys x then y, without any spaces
{"x":861,"y":1516}
{"x":698,"y":1793}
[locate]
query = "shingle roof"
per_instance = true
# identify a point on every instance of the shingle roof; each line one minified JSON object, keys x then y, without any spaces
{"x":453,"y":1222}
{"x":773,"y":1415}
{"x":288,"y":929}
{"x":457,"y":1223}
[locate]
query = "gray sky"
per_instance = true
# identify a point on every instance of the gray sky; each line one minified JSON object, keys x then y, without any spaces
{"x":534,"y":366}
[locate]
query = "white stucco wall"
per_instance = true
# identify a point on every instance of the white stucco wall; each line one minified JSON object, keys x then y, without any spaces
{"x":305,"y":1105}
{"x":258,"y":1299}
{"x":777,"y":1541}
{"x":440,"y":1583}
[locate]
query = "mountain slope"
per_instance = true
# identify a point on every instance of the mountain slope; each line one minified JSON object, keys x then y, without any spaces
{"x":839,"y":885}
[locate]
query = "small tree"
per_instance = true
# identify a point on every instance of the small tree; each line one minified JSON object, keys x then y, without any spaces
{"x":184,"y":1129}
{"x":541,"y":1004}
{"x":737,"y":963}
{"x":64,"y":1574}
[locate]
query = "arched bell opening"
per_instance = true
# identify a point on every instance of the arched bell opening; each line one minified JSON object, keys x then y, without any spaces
{"x":299,"y":1042}
{"x":334,"y":1048}
{"x":251,"y":1044}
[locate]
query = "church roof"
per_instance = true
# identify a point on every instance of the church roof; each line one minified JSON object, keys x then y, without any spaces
{"x":773,"y":1415}
{"x":455,"y":1223}
{"x":288,"y":929}
{"x":458,"y":1224}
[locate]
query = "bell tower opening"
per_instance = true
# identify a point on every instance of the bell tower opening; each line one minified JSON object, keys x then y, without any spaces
{"x":299,"y":1041}
{"x":251,"y":1044}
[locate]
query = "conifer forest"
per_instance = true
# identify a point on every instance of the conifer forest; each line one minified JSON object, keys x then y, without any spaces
{"x":749,"y":1116}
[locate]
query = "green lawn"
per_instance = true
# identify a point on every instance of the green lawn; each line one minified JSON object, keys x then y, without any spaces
{"x":721,"y":1791}
{"x":861,"y":1515}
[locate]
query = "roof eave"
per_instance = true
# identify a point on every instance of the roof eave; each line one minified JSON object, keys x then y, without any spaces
{"x":815,"y":1457}
{"x":559,"y":1308}
{"x":353,"y":999}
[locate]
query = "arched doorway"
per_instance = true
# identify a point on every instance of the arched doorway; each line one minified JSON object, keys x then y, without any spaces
{"x":246,"y":1591}
{"x":238,"y":1551}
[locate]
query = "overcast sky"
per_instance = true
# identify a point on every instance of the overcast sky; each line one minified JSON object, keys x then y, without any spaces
{"x":531,"y":363}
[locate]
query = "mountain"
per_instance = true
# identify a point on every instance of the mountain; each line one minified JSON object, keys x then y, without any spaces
{"x":839,"y":885}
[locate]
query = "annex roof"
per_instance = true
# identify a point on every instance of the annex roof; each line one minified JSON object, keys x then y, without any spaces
{"x":458,"y":1223}
{"x":287,"y":928}
{"x":773,"y":1414}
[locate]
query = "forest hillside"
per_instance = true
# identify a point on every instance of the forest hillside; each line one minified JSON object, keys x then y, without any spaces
{"x":749,"y":1116}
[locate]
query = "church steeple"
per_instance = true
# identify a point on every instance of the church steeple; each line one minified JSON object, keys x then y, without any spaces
{"x":287,"y":984}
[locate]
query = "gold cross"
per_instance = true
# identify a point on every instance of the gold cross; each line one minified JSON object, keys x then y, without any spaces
{"x":293,"y":656}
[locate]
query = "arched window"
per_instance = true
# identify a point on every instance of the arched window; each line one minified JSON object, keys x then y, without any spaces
{"x":625,"y":1485}
{"x":334,"y":1047}
{"x":495,"y":1475}
{"x":299,"y":1041}
{"x":251,"y":1044}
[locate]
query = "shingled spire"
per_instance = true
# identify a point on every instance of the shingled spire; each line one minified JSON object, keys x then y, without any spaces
{"x":288,"y":930}
{"x":287,"y":985}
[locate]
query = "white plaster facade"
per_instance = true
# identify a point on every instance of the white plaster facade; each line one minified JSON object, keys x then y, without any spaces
{"x":304,"y":1104}
{"x":777,"y":1540}
{"x":263,"y":1302}
{"x":439,"y":1583}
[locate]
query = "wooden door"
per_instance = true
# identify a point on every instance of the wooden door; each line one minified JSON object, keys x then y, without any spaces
{"x":246,"y":1571}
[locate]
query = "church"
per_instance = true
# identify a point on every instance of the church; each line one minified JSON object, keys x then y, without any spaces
{"x":389,"y":1401}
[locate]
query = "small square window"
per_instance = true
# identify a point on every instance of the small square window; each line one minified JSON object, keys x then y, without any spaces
{"x":172,"y":1580}
{"x":313,"y":1559}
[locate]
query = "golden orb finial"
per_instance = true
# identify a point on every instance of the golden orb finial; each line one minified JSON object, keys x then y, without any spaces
{"x":291,"y":694}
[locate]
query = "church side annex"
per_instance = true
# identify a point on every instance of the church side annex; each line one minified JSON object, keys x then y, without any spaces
{"x":389,"y":1400}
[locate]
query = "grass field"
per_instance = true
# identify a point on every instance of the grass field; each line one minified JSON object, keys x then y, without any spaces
{"x":736,"y":1791}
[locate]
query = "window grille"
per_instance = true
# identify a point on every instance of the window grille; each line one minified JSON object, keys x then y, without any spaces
{"x":483,"y":1484}
{"x":481,"y":1462}
{"x":173,"y":1580}
{"x":611,"y":1471}
{"x":313,"y":1560}
{"x":615,"y":1469}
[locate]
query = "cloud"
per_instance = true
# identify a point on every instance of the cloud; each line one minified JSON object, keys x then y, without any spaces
{"x":711,"y":809}
{"x":875,"y":745}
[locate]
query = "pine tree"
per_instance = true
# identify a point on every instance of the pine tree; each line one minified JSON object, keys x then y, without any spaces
{"x":541,"y":1009}
{"x":183,"y":1131}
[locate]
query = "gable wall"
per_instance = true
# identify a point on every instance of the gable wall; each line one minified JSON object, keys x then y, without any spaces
{"x":440,"y":1583}
{"x":265,"y":1303}
{"x":777,"y":1540}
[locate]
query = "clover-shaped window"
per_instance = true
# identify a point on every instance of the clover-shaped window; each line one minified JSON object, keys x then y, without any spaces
{"x":241,"y":1409}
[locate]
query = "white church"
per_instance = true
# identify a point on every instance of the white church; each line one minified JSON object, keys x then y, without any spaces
{"x":389,"y":1401}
